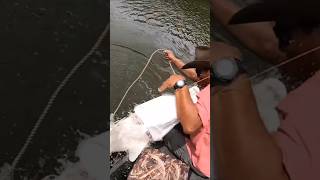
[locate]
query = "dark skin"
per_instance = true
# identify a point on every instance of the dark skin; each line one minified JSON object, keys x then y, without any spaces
{"x":245,"y":150}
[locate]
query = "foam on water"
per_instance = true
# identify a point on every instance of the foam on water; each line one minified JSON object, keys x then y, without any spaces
{"x":5,"y":172}
{"x":128,"y":135}
{"x":92,"y":153}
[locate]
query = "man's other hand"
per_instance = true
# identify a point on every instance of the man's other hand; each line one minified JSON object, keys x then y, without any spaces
{"x":170,"y":82}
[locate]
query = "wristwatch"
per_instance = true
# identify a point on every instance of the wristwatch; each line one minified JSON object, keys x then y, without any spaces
{"x":224,"y":71}
{"x":179,"y":84}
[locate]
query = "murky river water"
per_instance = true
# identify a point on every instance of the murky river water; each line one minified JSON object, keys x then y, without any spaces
{"x":144,"y":26}
{"x":40,"y":42}
{"x":139,"y":27}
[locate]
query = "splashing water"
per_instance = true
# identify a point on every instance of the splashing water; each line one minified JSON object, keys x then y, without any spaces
{"x":5,"y":172}
{"x":128,"y":135}
{"x":92,"y":153}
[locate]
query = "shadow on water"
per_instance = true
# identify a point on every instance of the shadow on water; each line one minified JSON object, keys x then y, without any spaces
{"x":139,"y":27}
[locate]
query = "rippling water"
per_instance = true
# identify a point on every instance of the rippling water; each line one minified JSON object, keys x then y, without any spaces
{"x":185,"y":20}
{"x":144,"y":26}
{"x":139,"y":27}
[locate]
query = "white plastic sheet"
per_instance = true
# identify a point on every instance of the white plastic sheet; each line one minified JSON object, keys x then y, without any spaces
{"x":159,"y":115}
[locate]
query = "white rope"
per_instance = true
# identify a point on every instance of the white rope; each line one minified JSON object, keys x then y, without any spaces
{"x":195,"y":83}
{"x":276,"y":66}
{"x":251,"y":78}
{"x":286,"y":62}
{"x":143,"y":70}
{"x":172,"y":68}
{"x":52,"y":99}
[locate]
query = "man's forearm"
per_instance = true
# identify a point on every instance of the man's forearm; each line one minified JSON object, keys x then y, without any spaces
{"x":223,"y":10}
{"x":259,"y":37}
{"x":190,"y":73}
{"x":187,"y":111}
{"x":244,"y":149}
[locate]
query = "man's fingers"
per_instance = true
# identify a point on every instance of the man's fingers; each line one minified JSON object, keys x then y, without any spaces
{"x":167,"y":52}
{"x":163,"y":87}
{"x":169,"y":83}
{"x":167,"y":57}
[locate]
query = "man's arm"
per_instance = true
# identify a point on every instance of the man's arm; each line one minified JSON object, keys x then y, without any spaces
{"x":244,"y":148}
{"x":190,"y":73}
{"x":259,"y":37}
{"x":186,"y":110}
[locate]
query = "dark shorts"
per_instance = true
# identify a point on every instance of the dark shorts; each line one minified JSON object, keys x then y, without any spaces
{"x":175,"y":142}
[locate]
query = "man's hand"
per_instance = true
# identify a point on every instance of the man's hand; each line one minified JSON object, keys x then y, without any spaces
{"x":190,"y":73}
{"x":170,"y":82}
{"x":169,"y":55}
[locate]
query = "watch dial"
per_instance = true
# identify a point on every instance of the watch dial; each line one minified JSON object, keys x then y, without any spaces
{"x":226,"y":68}
{"x":180,"y":83}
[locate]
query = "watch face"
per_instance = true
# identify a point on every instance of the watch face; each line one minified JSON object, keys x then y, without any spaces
{"x":226,"y":69}
{"x":180,"y":83}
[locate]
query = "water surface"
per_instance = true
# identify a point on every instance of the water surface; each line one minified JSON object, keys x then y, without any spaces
{"x":139,"y":27}
{"x":144,"y":26}
{"x":40,"y":42}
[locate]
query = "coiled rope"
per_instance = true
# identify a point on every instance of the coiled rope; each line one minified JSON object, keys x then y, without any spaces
{"x":53,"y":97}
